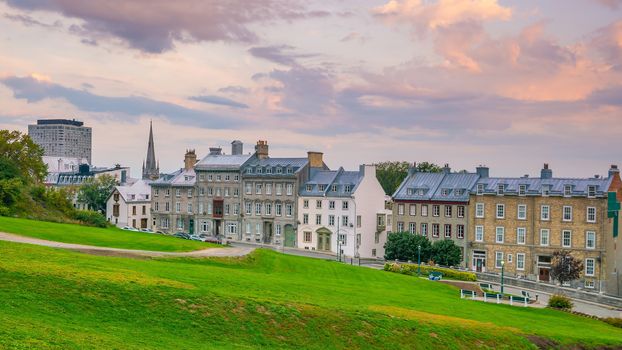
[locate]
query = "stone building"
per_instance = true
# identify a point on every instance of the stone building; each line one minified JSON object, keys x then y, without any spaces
{"x":270,"y":195}
{"x":174,"y":198}
{"x":518,"y":223}
{"x":219,"y":189}
{"x":435,"y":205}
{"x":130,"y":205}
{"x":62,"y":138}
{"x":151,"y":168}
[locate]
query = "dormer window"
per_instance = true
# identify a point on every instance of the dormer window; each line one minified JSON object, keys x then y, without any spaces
{"x":420,"y":192}
{"x":445,"y":192}
{"x":480,"y":188}
{"x":522,"y":190}
{"x":410,"y":191}
{"x":334,"y":188}
{"x":567,"y":190}
{"x":268,"y":170}
{"x":459,"y":192}
{"x":259,"y":170}
{"x":347,"y":188}
{"x":279,"y":170}
{"x":309,"y":188}
{"x":591,"y":191}
{"x":546,"y":190}
{"x":322,"y":188}
{"x":500,"y":189}
{"x":290,"y":170}
{"x":249,"y":170}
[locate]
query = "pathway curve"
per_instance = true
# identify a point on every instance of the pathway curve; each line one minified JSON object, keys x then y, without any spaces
{"x":204,"y":253}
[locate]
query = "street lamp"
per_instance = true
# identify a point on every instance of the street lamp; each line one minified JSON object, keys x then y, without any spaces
{"x":419,"y":260}
{"x":502,"y":266}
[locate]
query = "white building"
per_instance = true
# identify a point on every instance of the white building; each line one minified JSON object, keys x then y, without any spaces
{"x":62,"y":138}
{"x":130,"y":205}
{"x":343,"y":212}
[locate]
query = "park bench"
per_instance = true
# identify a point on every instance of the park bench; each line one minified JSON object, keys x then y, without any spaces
{"x":435,"y":276}
{"x":524,"y":300}
{"x":494,"y":296}
{"x":485,"y":286}
{"x":464,"y":293}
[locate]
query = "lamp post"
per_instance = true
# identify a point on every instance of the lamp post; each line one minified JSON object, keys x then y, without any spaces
{"x":502,"y":266}
{"x":419,"y":260}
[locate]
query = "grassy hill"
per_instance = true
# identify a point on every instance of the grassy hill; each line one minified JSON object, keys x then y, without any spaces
{"x":55,"y":299}
{"x":101,"y":237}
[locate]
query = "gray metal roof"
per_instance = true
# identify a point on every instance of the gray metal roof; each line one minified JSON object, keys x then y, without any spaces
{"x":535,"y":185}
{"x":446,"y":187}
{"x":332,"y":179}
{"x":180,"y":177}
{"x":271,"y":166}
{"x":222,"y":162}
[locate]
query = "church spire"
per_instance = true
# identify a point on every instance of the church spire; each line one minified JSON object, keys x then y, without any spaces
{"x":151,"y":169}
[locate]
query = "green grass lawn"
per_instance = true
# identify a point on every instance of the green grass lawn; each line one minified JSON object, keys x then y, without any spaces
{"x":56,"y":299}
{"x":102,"y":237}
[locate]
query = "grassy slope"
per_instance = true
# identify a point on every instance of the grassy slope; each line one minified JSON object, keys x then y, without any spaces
{"x":60,"y":299}
{"x":109,"y":237}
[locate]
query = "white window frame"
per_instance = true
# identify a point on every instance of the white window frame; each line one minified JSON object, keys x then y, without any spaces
{"x":548,"y":213}
{"x":479,"y":233}
{"x":569,"y":232}
{"x":479,"y":210}
{"x":521,"y":208}
{"x":523,"y":235}
{"x":587,"y":271}
{"x":564,"y":209}
{"x":548,"y":237}
{"x":587,"y":214}
{"x":520,"y":261}
{"x":522,"y":190}
{"x":502,"y":215}
{"x":499,"y":229}
{"x":497,"y":260}
{"x":587,"y":241}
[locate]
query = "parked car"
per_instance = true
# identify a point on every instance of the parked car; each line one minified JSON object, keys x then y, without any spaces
{"x":182,"y":235}
{"x":211,"y":239}
{"x":196,"y":238}
{"x":148,"y":230}
{"x":129,"y":228}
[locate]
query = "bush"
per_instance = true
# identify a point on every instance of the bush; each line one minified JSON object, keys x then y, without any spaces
{"x":411,"y":269}
{"x":614,"y":321}
{"x":446,"y":252}
{"x":403,"y":246}
{"x":560,"y":302}
{"x":91,"y":218}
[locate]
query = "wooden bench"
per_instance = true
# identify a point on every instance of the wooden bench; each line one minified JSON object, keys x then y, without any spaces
{"x":435,"y":276}
{"x":485,"y":286}
{"x":467,"y":293}
{"x":524,"y":300}
{"x":494,"y":296}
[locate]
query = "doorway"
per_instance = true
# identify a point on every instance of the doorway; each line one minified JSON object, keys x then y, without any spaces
{"x":323,"y":239}
{"x":267,"y":232}
{"x":479,"y":261}
{"x":543,"y":275}
{"x":290,"y":236}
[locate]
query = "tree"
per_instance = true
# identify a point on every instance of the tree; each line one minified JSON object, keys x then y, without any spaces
{"x":565,"y":267}
{"x":446,"y":252}
{"x":95,"y":192}
{"x":403,"y":246}
{"x":391,"y":174}
{"x":24,"y":155}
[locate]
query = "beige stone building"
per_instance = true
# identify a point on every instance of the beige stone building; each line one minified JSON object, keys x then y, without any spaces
{"x":520,"y":222}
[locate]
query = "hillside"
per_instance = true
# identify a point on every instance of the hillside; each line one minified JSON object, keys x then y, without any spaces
{"x":55,"y":299}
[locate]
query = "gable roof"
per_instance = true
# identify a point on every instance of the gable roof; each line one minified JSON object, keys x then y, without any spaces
{"x":332,"y":180}
{"x":222,"y":162}
{"x":446,"y":187}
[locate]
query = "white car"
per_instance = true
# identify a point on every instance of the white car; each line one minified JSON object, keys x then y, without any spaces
{"x":129,"y":228}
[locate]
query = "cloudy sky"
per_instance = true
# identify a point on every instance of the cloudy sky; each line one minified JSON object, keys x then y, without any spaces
{"x":509,"y":84}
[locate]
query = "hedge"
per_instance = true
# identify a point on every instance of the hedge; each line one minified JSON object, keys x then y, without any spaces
{"x":411,"y":269}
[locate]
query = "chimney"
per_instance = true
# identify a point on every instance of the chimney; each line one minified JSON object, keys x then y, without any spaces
{"x":483,"y":171}
{"x":446,"y":169}
{"x":315,"y":159}
{"x":261,"y":149}
{"x":614,"y":170}
{"x":367,"y":170}
{"x":215,"y":151}
{"x":546,"y":173}
{"x":190,"y":159}
{"x":237,"y":148}
{"x":412,"y":169}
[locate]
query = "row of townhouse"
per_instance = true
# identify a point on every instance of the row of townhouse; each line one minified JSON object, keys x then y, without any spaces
{"x":518,"y":223}
{"x":256,"y":198}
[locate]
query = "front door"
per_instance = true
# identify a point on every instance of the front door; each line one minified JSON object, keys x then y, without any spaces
{"x":143,"y":223}
{"x":323,"y":241}
{"x":217,"y":228}
{"x":267,"y":232}
{"x":543,"y":275}
{"x":290,"y":236}
{"x":479,"y":261}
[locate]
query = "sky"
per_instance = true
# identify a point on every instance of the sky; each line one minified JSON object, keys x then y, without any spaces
{"x":507,"y":84}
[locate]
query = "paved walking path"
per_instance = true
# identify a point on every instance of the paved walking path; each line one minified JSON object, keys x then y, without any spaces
{"x":209,"y":252}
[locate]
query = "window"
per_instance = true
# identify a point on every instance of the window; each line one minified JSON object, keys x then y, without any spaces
{"x":566,"y":239}
{"x":331,"y":220}
{"x":589,"y":267}
{"x":509,"y":258}
{"x":226,"y":191}
{"x":412,"y":227}
{"x":289,"y":189}
{"x":436,"y":210}
{"x":333,"y":188}
{"x":591,"y":191}
{"x":447,"y":230}
{"x":347,"y":188}
{"x":290,"y":170}
{"x":448,"y":211}
{"x":218,"y":177}
{"x":460,"y":229}
{"x":424,"y":229}
{"x":305,"y":218}
{"x":500,"y":234}
{"x":373,"y":252}
{"x":500,"y":211}
{"x":305,"y":204}
{"x":498,"y":259}
{"x":268,"y":208}
{"x":318,"y":204}
{"x":277,"y":230}
{"x":479,"y":233}
{"x":479,"y":210}
{"x":567,"y":213}
{"x":410,"y":191}
{"x":258,"y":227}
{"x":480,"y":189}
{"x":178,"y":207}
{"x":343,"y":238}
{"x":236,"y":178}
{"x":400,"y":209}
{"x":567,"y":190}
{"x":307,"y":237}
{"x":210,"y":191}
{"x":412,"y":210}
{"x":236,"y":209}
{"x":400,"y":226}
{"x":445,"y":192}
{"x":164,"y":222}
{"x":345,"y":220}
{"x":190,"y":208}
{"x":249,"y":208}
{"x":133,"y":210}
{"x":318,"y":219}
{"x":204,"y":225}
{"x":190,"y":193}
{"x":268,"y":170}
{"x":248,"y":229}
{"x":167,"y":206}
{"x":521,"y":235}
{"x":545,"y":213}
{"x":590,"y":240}
{"x":288,"y":209}
{"x":258,"y":188}
{"x":279,"y":189}
{"x":156,"y":192}
{"x":522,"y":190}
{"x":544,"y":237}
{"x":178,"y":193}
{"x":167,"y":192}
{"x":520,"y":261}
{"x":180,"y":224}
{"x":461,"y":211}
{"x":259,"y":170}
{"x":248,"y":188}
{"x":589,"y":284}
{"x":309,"y":188}
{"x":344,"y":205}
{"x":591,"y":214}
{"x":546,"y":190}
{"x":500,"y":189}
{"x":269,"y":188}
{"x":157,"y":208}
{"x":358,"y":221}
{"x":278,"y":209}
{"x":522,"y":212}
{"x":424,"y":210}
{"x":321,"y":188}
{"x":435,"y":230}
{"x":257,"y":209}
{"x":210,"y":177}
{"x":279,"y":170}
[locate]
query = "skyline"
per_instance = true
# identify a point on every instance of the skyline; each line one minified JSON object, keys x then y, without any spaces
{"x":508,"y":84}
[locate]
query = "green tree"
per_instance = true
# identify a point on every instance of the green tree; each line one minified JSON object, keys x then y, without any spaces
{"x":95,"y":192}
{"x":565,"y":267}
{"x":446,"y":252}
{"x":24,"y":154}
{"x":403,"y":246}
{"x":391,"y":174}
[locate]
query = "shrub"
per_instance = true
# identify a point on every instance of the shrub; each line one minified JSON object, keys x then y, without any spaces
{"x":411,"y":269}
{"x":446,"y":252}
{"x":403,"y":246}
{"x":91,"y":218}
{"x":614,"y":321}
{"x":560,"y":302}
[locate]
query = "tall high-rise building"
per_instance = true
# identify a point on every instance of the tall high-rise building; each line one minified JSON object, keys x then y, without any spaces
{"x":151,"y":168}
{"x":62,"y":138}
